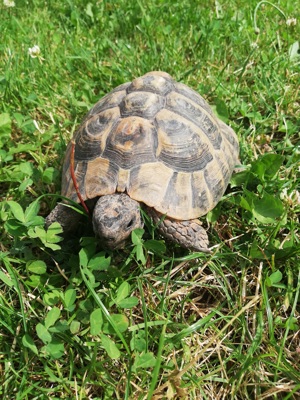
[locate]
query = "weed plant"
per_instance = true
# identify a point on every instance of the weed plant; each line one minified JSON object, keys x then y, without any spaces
{"x":151,"y":321}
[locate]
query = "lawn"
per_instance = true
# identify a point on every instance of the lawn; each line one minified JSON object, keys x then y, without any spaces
{"x":151,"y":321}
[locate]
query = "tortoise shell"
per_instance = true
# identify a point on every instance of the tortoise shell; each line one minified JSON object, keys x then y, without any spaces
{"x":158,"y":141}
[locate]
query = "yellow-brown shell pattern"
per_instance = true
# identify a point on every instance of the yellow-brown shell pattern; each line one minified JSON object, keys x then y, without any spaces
{"x":158,"y":141}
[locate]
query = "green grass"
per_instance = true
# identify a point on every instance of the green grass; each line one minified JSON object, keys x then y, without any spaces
{"x":151,"y":321}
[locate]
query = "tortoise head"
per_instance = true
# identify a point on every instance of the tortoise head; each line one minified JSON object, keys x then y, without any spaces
{"x":115,"y":216}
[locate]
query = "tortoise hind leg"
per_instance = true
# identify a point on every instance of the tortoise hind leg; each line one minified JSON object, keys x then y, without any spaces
{"x":189,"y":234}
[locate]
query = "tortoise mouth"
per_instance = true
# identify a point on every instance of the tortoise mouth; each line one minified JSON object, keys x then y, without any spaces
{"x":113,"y":243}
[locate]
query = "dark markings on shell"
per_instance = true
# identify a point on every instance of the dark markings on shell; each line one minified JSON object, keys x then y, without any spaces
{"x":86,"y":148}
{"x":230,"y":136}
{"x":142,"y":104}
{"x":111,"y":100}
{"x":180,"y":147}
{"x":200,"y":198}
{"x":67,"y":182}
{"x":91,"y":140}
{"x":154,"y":84}
{"x":193,"y":95}
{"x":208,"y":124}
{"x":101,"y":178}
{"x":215,"y":183}
{"x":123,"y":86}
{"x":131,"y":143}
{"x":218,"y":178}
{"x":107,"y":180}
{"x":172,"y":196}
{"x":99,"y":122}
{"x":212,"y":132}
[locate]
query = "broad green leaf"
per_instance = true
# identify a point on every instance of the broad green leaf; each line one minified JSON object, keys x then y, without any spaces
{"x":38,"y":267}
{"x":35,"y":281}
{"x":52,"y":246}
{"x":59,"y":327}
{"x":267,"y":166}
{"x":287,"y":252}
{"x":274,"y":278}
{"x":34,"y":233}
{"x":32,"y":210}
{"x":129,"y":302}
{"x":240,"y":178}
{"x":156,"y":246}
{"x":83,"y":257}
{"x":6,"y":279}
{"x":52,"y":231}
{"x":99,"y":262}
{"x":29,"y":343}
{"x":123,"y":291}
{"x":270,"y":250}
{"x":267,"y":208}
{"x":55,"y":349}
{"x":5,"y":123}
{"x":52,"y":316}
{"x":69,"y":299}
{"x":49,"y":175}
{"x":36,"y":221}
{"x":74,"y":327}
{"x":246,"y":202}
{"x":52,"y":298}
{"x":4,"y":155}
{"x":138,"y":342}
{"x":140,"y":254}
{"x":5,"y":128}
{"x":121,"y":322}
{"x":144,"y":361}
{"x":292,"y":324}
{"x":136,"y":236}
{"x":110,"y":347}
{"x":16,"y":210}
{"x":96,"y":321}
{"x":256,"y":251}
{"x":24,"y":185}
{"x":15,"y":228}
{"x":43,"y":333}
{"x":19,"y":119}
{"x":48,"y":237}
{"x":89,"y":10}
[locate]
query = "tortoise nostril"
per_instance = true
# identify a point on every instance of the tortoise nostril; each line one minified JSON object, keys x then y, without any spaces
{"x":130,"y":223}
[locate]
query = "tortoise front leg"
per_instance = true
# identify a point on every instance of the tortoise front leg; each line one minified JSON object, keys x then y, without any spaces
{"x":189,"y":234}
{"x":66,"y":216}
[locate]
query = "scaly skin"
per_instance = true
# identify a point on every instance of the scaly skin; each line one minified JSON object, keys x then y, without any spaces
{"x":189,"y":234}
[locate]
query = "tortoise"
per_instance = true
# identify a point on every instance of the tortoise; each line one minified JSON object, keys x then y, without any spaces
{"x":152,"y":143}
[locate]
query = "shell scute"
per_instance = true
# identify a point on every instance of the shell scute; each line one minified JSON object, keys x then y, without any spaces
{"x":131,"y":143}
{"x":161,"y":85}
{"x":141,"y":104}
{"x":196,"y":114}
{"x":92,"y":134}
{"x":181,"y":145}
{"x":111,"y":100}
{"x":191,"y":94}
